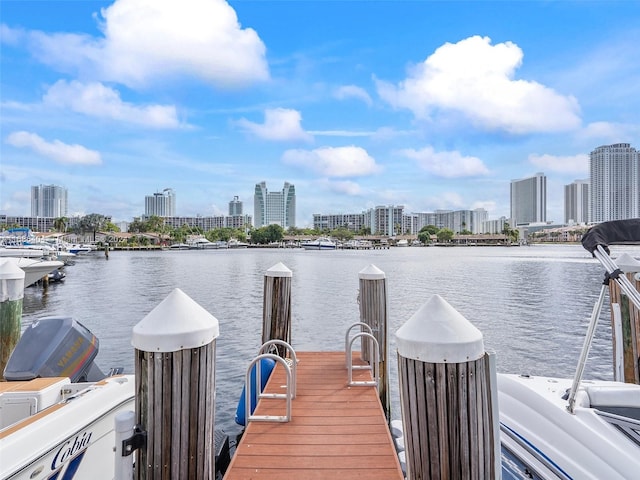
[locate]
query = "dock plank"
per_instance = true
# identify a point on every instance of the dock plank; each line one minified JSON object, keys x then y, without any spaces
{"x":336,"y":431}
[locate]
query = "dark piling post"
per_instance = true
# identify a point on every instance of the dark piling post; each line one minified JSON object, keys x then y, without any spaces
{"x":11,"y":296}
{"x":373,"y":312}
{"x":448,"y":396}
{"x":629,"y":317}
{"x":276,"y":306}
{"x":175,"y":389}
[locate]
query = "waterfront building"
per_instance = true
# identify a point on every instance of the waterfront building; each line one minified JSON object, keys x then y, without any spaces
{"x":455,"y":220}
{"x":351,"y":221}
{"x":385,"y":220}
{"x":160,"y":204}
{"x":48,"y":201}
{"x":529,"y":200}
{"x":203,"y":223}
{"x":614,"y":183}
{"x":494,"y":226}
{"x":40,"y":224}
{"x":274,"y":207}
{"x":242,"y":222}
{"x":576,"y":202}
{"x":235,"y":207}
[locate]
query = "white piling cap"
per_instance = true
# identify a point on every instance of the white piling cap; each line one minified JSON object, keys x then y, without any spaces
{"x":627,"y":263}
{"x":9,"y":270}
{"x":279,"y":270}
{"x":11,"y":280}
{"x":371,"y":273}
{"x":438,"y":333}
{"x":177,"y":323}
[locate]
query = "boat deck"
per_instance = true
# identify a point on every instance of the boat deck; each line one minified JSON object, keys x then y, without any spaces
{"x":336,"y":431}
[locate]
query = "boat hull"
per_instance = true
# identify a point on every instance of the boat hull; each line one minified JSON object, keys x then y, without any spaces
{"x":71,"y":439}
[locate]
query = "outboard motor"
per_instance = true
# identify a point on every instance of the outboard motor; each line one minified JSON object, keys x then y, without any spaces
{"x":55,"y":347}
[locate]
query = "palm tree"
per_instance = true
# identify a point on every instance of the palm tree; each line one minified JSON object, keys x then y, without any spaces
{"x":60,"y":224}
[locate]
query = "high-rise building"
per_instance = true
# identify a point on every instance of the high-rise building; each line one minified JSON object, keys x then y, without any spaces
{"x":614,"y":183}
{"x":576,"y":202}
{"x":160,"y":204}
{"x":274,"y":207}
{"x":48,"y":201}
{"x":235,"y":207}
{"x":529,"y":200}
{"x":385,"y":220}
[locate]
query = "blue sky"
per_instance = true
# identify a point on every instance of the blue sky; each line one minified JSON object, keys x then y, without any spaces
{"x":430,"y":105}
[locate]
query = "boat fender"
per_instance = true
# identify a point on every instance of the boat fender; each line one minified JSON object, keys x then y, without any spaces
{"x":266,"y":367}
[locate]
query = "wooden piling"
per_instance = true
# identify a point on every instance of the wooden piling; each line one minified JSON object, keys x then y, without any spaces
{"x":372,"y":299}
{"x":11,"y":296}
{"x":175,"y":390}
{"x":276,"y":306}
{"x":630,"y":320}
{"x":447,"y":391}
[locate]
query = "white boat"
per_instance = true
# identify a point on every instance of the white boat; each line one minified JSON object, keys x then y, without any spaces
{"x":179,"y":246}
{"x":13,"y":251}
{"x":200,"y":243}
{"x":321,"y":243}
{"x":34,"y":269}
{"x":79,"y":248}
{"x":235,"y":243}
{"x":59,"y":426}
{"x":403,"y":242}
{"x":554,"y":428}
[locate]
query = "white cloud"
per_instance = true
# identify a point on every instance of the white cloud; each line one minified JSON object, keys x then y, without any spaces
{"x":148,"y":40}
{"x":348,"y":161}
{"x":346,"y":187}
{"x":351,"y":91}
{"x":57,"y":151}
{"x":97,"y":100}
{"x":578,"y":164}
{"x":279,"y":124}
{"x":476,"y":79}
{"x":446,"y":201}
{"x":446,"y":164}
{"x":608,"y":132}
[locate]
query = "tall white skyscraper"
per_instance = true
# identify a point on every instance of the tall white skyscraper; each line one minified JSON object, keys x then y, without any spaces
{"x":160,"y":204}
{"x":529,"y":200}
{"x":274,"y":207}
{"x":576,"y":202}
{"x":49,"y":201}
{"x":614,"y":183}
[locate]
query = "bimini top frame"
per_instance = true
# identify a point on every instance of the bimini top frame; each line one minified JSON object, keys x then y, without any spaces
{"x":597,"y":241}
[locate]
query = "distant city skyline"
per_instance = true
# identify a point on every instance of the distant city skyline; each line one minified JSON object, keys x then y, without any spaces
{"x":429,"y":105}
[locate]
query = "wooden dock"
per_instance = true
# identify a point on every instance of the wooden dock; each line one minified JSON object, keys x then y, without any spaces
{"x":336,"y":431}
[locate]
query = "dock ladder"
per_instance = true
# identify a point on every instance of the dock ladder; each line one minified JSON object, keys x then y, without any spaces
{"x":290,"y":367}
{"x":375,"y":362}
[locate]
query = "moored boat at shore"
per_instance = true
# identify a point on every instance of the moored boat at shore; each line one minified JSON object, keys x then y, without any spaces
{"x":320,"y":243}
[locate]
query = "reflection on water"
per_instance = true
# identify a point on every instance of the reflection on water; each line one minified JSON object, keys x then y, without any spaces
{"x":531,"y":303}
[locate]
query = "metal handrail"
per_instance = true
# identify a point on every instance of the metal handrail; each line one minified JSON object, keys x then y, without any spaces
{"x":346,"y":338}
{"x":247,"y":398}
{"x":292,"y":356}
{"x":374,"y":368}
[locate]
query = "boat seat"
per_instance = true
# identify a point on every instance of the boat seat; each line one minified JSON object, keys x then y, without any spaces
{"x":622,"y":395}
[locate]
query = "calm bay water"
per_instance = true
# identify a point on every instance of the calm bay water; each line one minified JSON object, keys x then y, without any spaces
{"x":532,"y":303}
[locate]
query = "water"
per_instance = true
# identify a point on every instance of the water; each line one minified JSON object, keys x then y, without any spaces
{"x":532,"y":304}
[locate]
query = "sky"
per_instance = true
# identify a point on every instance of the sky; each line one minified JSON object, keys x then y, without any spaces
{"x":428,"y":104}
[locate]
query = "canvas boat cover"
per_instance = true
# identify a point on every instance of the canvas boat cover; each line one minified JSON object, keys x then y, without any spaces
{"x":615,"y":232}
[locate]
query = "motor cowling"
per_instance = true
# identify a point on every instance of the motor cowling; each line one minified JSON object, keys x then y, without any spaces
{"x":55,"y":346}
